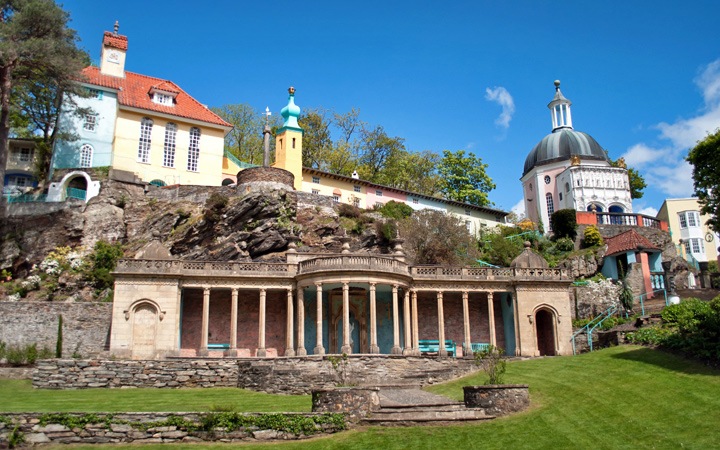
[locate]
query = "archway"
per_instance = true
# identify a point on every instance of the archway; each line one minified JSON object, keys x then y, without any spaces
{"x":144,"y":323}
{"x":545,"y":332}
{"x":595,"y":207}
{"x":76,"y":188}
{"x":616,"y":209}
{"x":227,"y":182}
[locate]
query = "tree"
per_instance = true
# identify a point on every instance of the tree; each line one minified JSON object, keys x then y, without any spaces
{"x":245,"y":140}
{"x":316,"y":141}
{"x":637,"y":182}
{"x":411,"y":171}
{"x":34,"y":42}
{"x":564,"y":223}
{"x":435,"y":237}
{"x":705,"y":159}
{"x":376,"y":149}
{"x":463,"y":178}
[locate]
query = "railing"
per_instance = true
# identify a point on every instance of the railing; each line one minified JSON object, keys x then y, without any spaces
{"x":657,"y":280}
{"x":75,"y":193}
{"x":210,"y":268}
{"x":592,"y":326}
{"x":237,"y":162}
{"x":353,"y":262}
{"x":641,"y":298}
{"x":487,"y":273}
{"x":627,"y":219}
{"x":25,"y":198}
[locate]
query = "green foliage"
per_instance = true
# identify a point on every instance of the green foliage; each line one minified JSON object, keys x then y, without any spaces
{"x":15,"y":437}
{"x":497,"y":248}
{"x":686,"y":315}
{"x":347,"y":210}
{"x":626,"y":296}
{"x":592,"y":237}
{"x":19,"y":355}
{"x":214,"y":206}
{"x":245,"y":140}
{"x":564,"y":223}
{"x":5,"y":275}
{"x":59,"y":342}
{"x":705,"y":159}
{"x":464,"y":178}
{"x":77,"y":420}
{"x":493,"y":363}
{"x":565,"y":244}
{"x":395,"y":210}
{"x":386,"y":231}
{"x":296,"y":424}
{"x":637,"y":182}
{"x":340,"y":364}
{"x":102,"y":261}
{"x":652,"y":335}
{"x":3,"y":349}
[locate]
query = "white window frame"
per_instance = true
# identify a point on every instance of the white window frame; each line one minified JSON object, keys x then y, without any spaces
{"x":162,"y":99}
{"x":145,"y":141}
{"x":24,"y":154}
{"x":316,"y":180}
{"x":356,"y":188}
{"x":86,"y":155}
{"x":336,"y":198}
{"x":169,"y":148}
{"x":693,"y":219}
{"x":90,"y":122}
{"x":316,"y":191}
{"x":13,"y":181}
{"x":378,"y":193}
{"x":194,"y":150}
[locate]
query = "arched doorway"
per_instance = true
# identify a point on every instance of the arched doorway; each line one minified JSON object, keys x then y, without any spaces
{"x":545,"y":332}
{"x":77,"y":188}
{"x":616,"y":209}
{"x":143,"y":331}
{"x":595,"y":207}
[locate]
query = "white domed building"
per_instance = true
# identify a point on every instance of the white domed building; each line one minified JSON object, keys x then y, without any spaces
{"x":569,"y":169}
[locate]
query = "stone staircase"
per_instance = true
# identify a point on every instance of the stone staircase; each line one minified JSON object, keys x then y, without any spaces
{"x":407,"y":406}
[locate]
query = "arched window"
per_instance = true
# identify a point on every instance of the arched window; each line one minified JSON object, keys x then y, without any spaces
{"x":194,"y":150}
{"x":157,"y":183}
{"x":86,"y":153}
{"x":145,"y":140}
{"x":169,"y":150}
{"x":550,"y":204}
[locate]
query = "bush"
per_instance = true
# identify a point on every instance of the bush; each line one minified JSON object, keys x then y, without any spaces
{"x":492,"y":362}
{"x":564,"y":224}
{"x":395,"y":210}
{"x":565,"y":244}
{"x":103,"y":260}
{"x":350,"y":211}
{"x":214,"y":206}
{"x":592,"y":237}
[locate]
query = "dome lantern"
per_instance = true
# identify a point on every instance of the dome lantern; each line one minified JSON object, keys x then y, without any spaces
{"x":560,"y":109}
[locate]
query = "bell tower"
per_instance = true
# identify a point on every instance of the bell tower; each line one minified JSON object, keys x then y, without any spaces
{"x":288,"y":141}
{"x":114,"y":50}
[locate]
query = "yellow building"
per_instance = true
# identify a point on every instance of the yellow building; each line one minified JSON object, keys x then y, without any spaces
{"x":689,"y":229}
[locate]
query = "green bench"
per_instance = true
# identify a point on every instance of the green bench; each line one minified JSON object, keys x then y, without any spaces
{"x":479,"y":346}
{"x":428,"y":346}
{"x":218,"y":346}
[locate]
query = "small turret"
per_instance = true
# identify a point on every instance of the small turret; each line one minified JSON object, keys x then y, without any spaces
{"x":560,"y":109}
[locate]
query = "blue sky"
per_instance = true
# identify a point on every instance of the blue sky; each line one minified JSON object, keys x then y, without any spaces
{"x":643,"y":76}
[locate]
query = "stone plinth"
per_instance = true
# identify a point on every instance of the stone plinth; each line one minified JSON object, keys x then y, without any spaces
{"x":266,"y":175}
{"x":499,"y":399}
{"x":355,"y":402}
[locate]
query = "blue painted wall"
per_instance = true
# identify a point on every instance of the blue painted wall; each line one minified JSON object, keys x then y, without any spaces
{"x":508,"y":315}
{"x":66,"y":155}
{"x":655,"y":262}
{"x":609,"y":268}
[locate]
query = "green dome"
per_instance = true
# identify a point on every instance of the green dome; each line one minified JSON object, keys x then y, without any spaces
{"x":291,"y":112}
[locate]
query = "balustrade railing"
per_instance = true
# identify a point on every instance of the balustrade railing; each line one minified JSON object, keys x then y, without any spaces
{"x":354,"y":262}
{"x":201,"y":267}
{"x":490,"y":273}
{"x":627,"y":219}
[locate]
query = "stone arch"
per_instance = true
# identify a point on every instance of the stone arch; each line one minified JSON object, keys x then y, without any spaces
{"x":144,"y":316}
{"x":546,"y":336}
{"x":616,"y":209}
{"x":598,"y":207}
{"x":227,"y":182}
{"x":76,"y":179}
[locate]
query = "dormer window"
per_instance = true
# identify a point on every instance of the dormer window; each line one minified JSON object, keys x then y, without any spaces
{"x":164,"y":93}
{"x":162,"y":99}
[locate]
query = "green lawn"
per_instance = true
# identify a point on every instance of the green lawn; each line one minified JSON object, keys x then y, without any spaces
{"x":623,"y":397}
{"x":19,"y":396}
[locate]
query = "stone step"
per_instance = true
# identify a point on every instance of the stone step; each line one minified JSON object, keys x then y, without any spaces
{"x":418,"y":416}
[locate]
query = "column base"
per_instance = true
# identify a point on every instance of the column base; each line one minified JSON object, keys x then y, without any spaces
{"x":289,"y":352}
{"x":319,"y":350}
{"x":346,"y":349}
{"x":203,"y":352}
{"x":261,"y":353}
{"x":442,"y":353}
{"x":407,"y":351}
{"x":232,"y":352}
{"x":374,"y":349}
{"x":301,"y":352}
{"x":468,"y":353}
{"x":396,"y":350}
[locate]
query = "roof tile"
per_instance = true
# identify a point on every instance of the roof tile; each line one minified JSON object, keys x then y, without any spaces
{"x":627,"y":241}
{"x":115,"y":40}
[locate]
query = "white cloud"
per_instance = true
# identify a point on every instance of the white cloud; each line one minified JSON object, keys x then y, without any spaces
{"x":664,"y":167}
{"x":519,"y":208}
{"x":648,"y":211}
{"x":502,"y":97}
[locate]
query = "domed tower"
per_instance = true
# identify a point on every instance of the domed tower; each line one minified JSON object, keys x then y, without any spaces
{"x":288,"y":141}
{"x":569,"y":169}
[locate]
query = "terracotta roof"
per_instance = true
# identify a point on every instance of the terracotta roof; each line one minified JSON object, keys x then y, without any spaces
{"x":134,"y":92}
{"x":115,"y":40}
{"x":627,"y":241}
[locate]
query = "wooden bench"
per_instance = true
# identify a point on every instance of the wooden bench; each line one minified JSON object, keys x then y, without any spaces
{"x":218,"y":346}
{"x":432,"y":346}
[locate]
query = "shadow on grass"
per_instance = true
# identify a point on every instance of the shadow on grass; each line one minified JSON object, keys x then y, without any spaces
{"x":667,"y":360}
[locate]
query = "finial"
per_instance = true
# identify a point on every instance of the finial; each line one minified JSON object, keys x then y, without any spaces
{"x":557,"y":85}
{"x":527,"y":244}
{"x":116,"y":27}
{"x":291,"y":90}
{"x":267,"y":115}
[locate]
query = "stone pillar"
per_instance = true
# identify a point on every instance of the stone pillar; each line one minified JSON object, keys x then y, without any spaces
{"x":396,"y":350}
{"x":516,"y":323}
{"x":346,"y":347}
{"x":407,"y":325}
{"x":290,"y":330}
{"x":205,"y":321}
{"x":491,"y":318}
{"x":415,"y":332}
{"x":301,"y":322}
{"x":233,"y":318}
{"x":442,"y":352}
{"x":373,"y":321}
{"x":319,"y":349}
{"x":261,"y":352}
{"x":467,"y":344}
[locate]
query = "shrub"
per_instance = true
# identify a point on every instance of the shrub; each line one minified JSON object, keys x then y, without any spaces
{"x":492,"y":362}
{"x":386,"y":230}
{"x":565,"y":244}
{"x":214,"y":206}
{"x":395,"y":210}
{"x":103,"y":260}
{"x":350,"y":211}
{"x":59,"y":343}
{"x":564,"y":223}
{"x":434,"y":237}
{"x":592,"y":237}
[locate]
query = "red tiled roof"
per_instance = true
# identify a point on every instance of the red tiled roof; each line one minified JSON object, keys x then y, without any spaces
{"x":115,"y":40}
{"x":627,"y":241}
{"x":134,"y":92}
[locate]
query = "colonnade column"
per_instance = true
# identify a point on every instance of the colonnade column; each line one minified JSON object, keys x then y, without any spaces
{"x":396,"y":350}
{"x":407,"y":326}
{"x":289,"y":330}
{"x":301,"y":322}
{"x":441,"y":325}
{"x":261,"y":352}
{"x":373,"y":321}
{"x":491,"y":318}
{"x":319,"y":349}
{"x":233,"y":318}
{"x":205,"y":320}
{"x":467,"y":344}
{"x":346,"y":348}
{"x":415,"y":332}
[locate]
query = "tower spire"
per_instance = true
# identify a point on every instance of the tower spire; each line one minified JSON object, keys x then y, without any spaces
{"x":560,"y":109}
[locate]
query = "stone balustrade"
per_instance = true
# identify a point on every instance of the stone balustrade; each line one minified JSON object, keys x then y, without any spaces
{"x":206,"y":268}
{"x":353,"y":262}
{"x":486,"y":273}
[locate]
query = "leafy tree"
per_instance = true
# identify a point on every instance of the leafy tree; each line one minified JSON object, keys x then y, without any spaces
{"x":395,"y":210}
{"x":411,"y":171}
{"x":376,"y":149}
{"x":637,"y":182}
{"x":497,"y":248}
{"x":245,"y":140}
{"x":564,"y":223}
{"x":434,"y":237}
{"x":35,"y":43}
{"x":705,"y":159}
{"x":463,"y":178}
{"x":317,"y":143}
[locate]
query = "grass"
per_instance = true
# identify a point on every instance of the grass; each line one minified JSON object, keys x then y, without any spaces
{"x":19,"y":396}
{"x":619,"y":398}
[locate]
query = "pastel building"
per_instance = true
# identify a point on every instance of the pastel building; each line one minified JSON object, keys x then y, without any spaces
{"x":568,"y":169}
{"x":146,"y":127}
{"x":689,"y":229}
{"x":20,"y":166}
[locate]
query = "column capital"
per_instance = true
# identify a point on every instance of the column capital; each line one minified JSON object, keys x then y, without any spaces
{"x":318,"y":284}
{"x":395,"y":287}
{"x":372,"y":284}
{"x":346,"y":286}
{"x":439,"y":294}
{"x":263,"y":290}
{"x":465,"y":294}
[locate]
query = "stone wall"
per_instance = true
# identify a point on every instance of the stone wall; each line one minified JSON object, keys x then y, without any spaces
{"x":86,"y":326}
{"x":265,"y":174}
{"x":147,"y":428}
{"x":594,"y":298}
{"x":41,"y":208}
{"x":81,"y":374}
{"x":355,"y":403}
{"x":499,"y":399}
